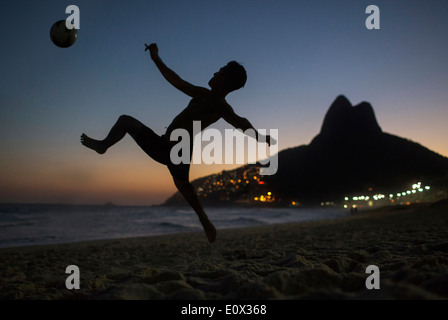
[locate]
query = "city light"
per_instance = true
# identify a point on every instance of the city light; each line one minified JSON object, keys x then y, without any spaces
{"x":248,"y":187}
{"x":268,"y":198}
{"x":409,"y":195}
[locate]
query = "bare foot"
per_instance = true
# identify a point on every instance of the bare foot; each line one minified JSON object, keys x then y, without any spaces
{"x":93,"y":144}
{"x":209,"y":229}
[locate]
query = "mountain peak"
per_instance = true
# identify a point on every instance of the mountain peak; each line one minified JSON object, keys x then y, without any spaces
{"x":344,"y":120}
{"x":351,"y":155}
{"x":341,"y":101}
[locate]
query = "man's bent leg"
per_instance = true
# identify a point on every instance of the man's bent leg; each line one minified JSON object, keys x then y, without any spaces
{"x":187,"y":190}
{"x":124,"y":124}
{"x":148,"y":140}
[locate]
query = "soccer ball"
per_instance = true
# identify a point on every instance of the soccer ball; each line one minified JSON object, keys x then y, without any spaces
{"x":61,"y":36}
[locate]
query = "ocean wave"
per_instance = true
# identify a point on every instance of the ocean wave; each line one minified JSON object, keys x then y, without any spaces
{"x":239,"y":222}
{"x":277,"y":214}
{"x":169,"y":225}
{"x":31,"y":224}
{"x":10,"y":224}
{"x":184,"y":211}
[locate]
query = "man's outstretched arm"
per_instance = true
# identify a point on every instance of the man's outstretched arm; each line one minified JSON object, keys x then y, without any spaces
{"x":242,"y":123}
{"x":171,"y":76}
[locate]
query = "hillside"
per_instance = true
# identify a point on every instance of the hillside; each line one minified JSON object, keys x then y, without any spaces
{"x":351,"y":154}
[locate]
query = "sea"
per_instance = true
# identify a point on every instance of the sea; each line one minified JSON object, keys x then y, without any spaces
{"x":36,"y":224}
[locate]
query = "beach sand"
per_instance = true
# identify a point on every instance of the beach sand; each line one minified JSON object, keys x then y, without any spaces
{"x":312,"y":260}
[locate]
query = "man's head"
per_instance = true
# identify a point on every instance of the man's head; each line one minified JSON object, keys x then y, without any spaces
{"x":229,"y":78}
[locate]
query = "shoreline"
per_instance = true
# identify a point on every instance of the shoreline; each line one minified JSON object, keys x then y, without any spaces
{"x":66,"y":224}
{"x":186,"y":233}
{"x":323,"y":259}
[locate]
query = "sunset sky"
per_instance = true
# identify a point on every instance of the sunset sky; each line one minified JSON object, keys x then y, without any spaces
{"x":299,"y":56}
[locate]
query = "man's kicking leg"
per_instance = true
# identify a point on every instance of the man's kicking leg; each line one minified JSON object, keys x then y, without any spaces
{"x":187,"y":190}
{"x":147,"y":139}
{"x":124,"y":124}
{"x":159,"y":149}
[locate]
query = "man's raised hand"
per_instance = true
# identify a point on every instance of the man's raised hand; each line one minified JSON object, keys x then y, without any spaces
{"x":153,"y":50}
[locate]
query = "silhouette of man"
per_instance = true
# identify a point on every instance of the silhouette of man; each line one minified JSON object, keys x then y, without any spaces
{"x":206,"y":106}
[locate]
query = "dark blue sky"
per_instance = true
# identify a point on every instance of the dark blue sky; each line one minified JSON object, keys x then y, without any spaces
{"x":299,"y":55}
